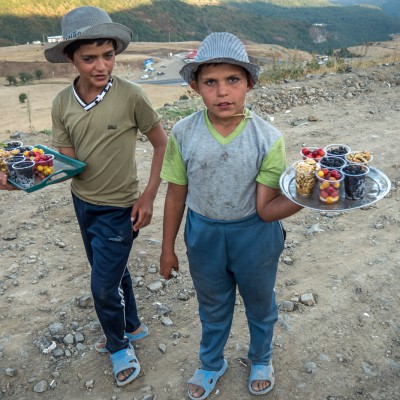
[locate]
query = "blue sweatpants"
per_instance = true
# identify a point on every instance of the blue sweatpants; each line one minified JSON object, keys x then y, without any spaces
{"x":223,"y":256}
{"x":108,"y":237}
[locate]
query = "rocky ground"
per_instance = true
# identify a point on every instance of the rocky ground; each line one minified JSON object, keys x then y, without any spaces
{"x":337,"y":336}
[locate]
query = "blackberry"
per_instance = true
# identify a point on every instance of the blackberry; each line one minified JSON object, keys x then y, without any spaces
{"x":25,"y":148}
{"x":353,"y":169}
{"x":339,"y":151}
{"x":24,"y":173}
{"x":354,"y":181}
{"x":332,"y":162}
{"x":11,"y":146}
{"x":9,"y":163}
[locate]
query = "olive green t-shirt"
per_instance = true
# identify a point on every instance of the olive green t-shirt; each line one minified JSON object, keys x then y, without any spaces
{"x":104,"y":137}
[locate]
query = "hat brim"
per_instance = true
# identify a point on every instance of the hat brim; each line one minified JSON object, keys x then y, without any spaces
{"x":188,"y":71}
{"x":118,"y":32}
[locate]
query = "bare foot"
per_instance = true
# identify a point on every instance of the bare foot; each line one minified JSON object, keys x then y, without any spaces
{"x":125,"y":374}
{"x":257,"y":386}
{"x":195,"y":390}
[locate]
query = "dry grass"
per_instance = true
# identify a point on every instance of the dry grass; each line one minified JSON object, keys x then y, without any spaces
{"x":372,"y":54}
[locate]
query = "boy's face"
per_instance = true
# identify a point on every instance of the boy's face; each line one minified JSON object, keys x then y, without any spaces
{"x":94,"y":64}
{"x":223,"y":88}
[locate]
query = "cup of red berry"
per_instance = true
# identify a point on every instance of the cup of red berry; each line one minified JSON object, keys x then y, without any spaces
{"x":329,"y":182}
{"x":43,"y":165}
{"x":337,"y":150}
{"x":312,"y":152}
{"x":355,"y":177}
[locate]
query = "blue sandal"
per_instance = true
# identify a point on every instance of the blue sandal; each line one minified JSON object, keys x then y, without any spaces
{"x":142,"y":334}
{"x":123,"y":360}
{"x":207,"y":380}
{"x":261,"y":373}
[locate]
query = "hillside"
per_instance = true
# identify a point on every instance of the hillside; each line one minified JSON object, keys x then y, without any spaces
{"x":310,"y":25}
{"x":340,"y":344}
{"x":388,"y":7}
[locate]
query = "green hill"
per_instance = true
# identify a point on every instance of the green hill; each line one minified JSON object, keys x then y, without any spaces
{"x":311,"y":25}
{"x":388,"y":7}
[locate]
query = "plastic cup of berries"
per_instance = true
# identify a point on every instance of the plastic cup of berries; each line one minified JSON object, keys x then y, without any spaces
{"x":337,"y":150}
{"x":355,"y":177}
{"x":363,"y":157}
{"x":312,"y":152}
{"x":43,"y":165}
{"x":24,"y":174}
{"x":12,"y":145}
{"x":332,"y":162}
{"x":24,"y":149}
{"x":9,"y":162}
{"x":329,"y":183}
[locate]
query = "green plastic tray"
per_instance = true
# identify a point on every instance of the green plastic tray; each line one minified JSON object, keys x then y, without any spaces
{"x":64,"y":168}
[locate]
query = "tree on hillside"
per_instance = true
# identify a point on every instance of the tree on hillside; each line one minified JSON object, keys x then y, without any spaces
{"x":25,"y":77}
{"x":12,"y":80}
{"x":38,"y":73}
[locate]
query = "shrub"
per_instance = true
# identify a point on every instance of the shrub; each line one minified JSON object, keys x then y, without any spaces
{"x":22,"y":97}
{"x":38,"y":73}
{"x":281,"y":70}
{"x":25,"y":77}
{"x":184,"y":97}
{"x":313,"y":65}
{"x":12,"y":80}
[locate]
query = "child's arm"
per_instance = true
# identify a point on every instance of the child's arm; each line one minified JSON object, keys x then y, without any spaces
{"x":173,"y":214}
{"x":67,"y":151}
{"x":142,"y":210}
{"x":272,"y":205}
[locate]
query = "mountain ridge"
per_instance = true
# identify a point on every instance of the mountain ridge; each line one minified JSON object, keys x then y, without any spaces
{"x":310,"y":25}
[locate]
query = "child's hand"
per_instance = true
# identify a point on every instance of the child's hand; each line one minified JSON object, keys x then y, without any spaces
{"x":142,"y":212}
{"x":168,"y":262}
{"x":4,"y":185}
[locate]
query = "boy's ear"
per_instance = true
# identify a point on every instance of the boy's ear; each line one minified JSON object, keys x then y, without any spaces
{"x":194,"y":86}
{"x":250,"y":83}
{"x":70,"y":60}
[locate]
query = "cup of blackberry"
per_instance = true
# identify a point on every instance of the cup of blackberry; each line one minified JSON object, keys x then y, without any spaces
{"x":332,"y":162}
{"x":355,"y":177}
{"x":13,"y":145}
{"x":9,"y":162}
{"x":337,"y":150}
{"x":24,"y":173}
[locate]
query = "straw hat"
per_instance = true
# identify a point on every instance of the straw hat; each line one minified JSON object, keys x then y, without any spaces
{"x":220,"y":47}
{"x":88,"y":23}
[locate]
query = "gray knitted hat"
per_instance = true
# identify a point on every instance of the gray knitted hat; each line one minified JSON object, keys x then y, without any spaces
{"x":87,"y":23}
{"x":220,"y":47}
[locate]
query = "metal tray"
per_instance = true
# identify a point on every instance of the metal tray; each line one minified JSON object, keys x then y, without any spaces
{"x":377,"y":187}
{"x":64,"y":168}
